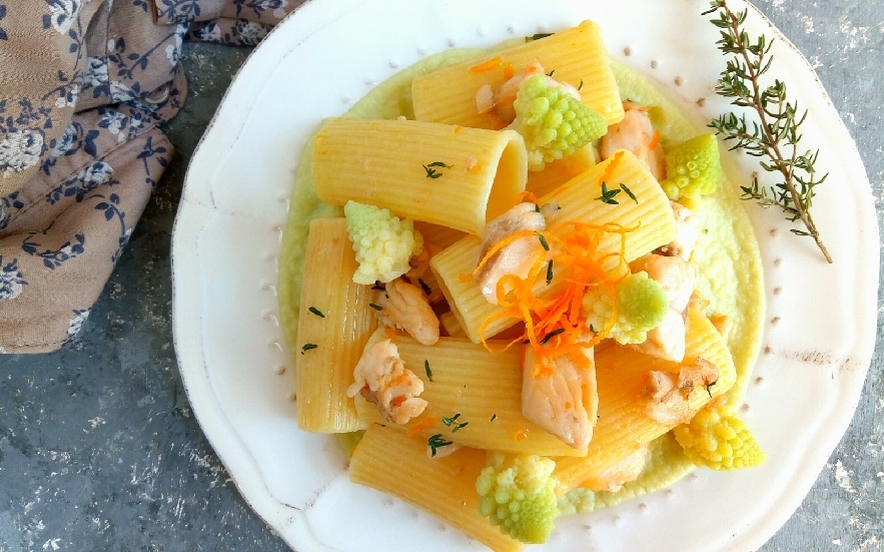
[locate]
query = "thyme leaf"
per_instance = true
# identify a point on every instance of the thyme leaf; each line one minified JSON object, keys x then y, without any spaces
{"x":775,"y":135}
{"x":436,"y":442}
{"x":316,"y":311}
{"x":608,"y":195}
{"x":308,"y":347}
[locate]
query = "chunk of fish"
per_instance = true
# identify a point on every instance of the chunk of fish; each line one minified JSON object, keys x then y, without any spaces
{"x":516,"y":257}
{"x":636,"y":134}
{"x":563,"y":402}
{"x":669,"y":394}
{"x":677,"y":278}
{"x":687,"y":232}
{"x":383,"y":380}
{"x":405,"y":306}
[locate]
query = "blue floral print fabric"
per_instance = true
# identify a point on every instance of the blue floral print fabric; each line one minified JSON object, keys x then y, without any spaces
{"x":85,"y":86}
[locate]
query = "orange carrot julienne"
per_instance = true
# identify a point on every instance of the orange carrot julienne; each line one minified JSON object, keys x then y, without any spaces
{"x":554,"y":325}
{"x":522,"y":435}
{"x":508,"y":71}
{"x":486,"y":66}
{"x":426,"y":423}
{"x":612,"y":166}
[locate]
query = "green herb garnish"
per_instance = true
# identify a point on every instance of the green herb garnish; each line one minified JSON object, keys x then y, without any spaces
{"x":427,"y":369}
{"x":775,"y":135}
{"x":316,"y":311}
{"x":608,"y":195}
{"x":551,"y":335}
{"x":308,"y":347}
{"x":629,"y":193}
{"x":432,"y":171}
{"x":436,"y":442}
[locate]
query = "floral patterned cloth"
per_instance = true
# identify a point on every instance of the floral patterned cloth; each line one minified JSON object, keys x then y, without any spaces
{"x":84,"y":88}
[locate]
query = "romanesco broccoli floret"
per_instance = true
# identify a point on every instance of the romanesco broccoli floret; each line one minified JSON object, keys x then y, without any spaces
{"x":719,"y":440}
{"x":578,"y":500}
{"x":553,"y":122}
{"x":519,"y":495}
{"x":641,"y":306}
{"x":693,"y":168}
{"x":383,"y":243}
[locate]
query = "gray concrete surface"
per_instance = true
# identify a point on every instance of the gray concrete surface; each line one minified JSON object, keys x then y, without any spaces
{"x":99,"y":449}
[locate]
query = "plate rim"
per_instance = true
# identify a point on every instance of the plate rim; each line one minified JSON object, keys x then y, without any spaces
{"x":192,"y":363}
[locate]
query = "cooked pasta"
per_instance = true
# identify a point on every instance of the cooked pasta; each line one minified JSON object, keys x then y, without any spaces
{"x":450,"y":175}
{"x":577,"y":56}
{"x":475,"y":389}
{"x":334,"y":324}
{"x":387,"y":460}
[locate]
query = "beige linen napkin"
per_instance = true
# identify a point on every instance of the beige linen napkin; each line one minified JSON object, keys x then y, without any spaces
{"x":84,"y":88}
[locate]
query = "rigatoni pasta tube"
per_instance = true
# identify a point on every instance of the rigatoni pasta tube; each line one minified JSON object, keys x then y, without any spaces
{"x":476,"y":389}
{"x":623,"y":424}
{"x":386,"y":460}
{"x":577,"y":55}
{"x":649,"y":215}
{"x":445,"y":174}
{"x":334,"y":324}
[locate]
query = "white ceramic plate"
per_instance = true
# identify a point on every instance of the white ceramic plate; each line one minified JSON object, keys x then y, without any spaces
{"x":821,"y":319}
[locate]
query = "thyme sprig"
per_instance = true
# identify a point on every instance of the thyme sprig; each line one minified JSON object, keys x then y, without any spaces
{"x":776,"y":135}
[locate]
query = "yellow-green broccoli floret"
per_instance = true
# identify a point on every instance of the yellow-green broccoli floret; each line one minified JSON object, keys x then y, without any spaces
{"x":553,"y":122}
{"x":641,"y":306}
{"x":719,"y":440}
{"x":383,"y":243}
{"x":693,"y":168}
{"x":519,"y":495}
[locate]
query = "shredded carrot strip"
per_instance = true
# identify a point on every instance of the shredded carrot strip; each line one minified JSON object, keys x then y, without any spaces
{"x":612,"y":166}
{"x":508,"y":71}
{"x":486,"y":66}
{"x":426,"y":423}
{"x":554,"y":325}
{"x":522,"y":435}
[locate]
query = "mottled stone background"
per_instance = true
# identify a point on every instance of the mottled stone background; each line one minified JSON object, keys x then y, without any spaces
{"x":99,"y":449}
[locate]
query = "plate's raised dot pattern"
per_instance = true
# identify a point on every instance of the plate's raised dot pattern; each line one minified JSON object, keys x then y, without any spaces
{"x":395,"y":63}
{"x":511,"y":29}
{"x":452,"y":43}
{"x":678,"y":81}
{"x":292,"y":397}
{"x":653,"y":64}
{"x":627,"y":51}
